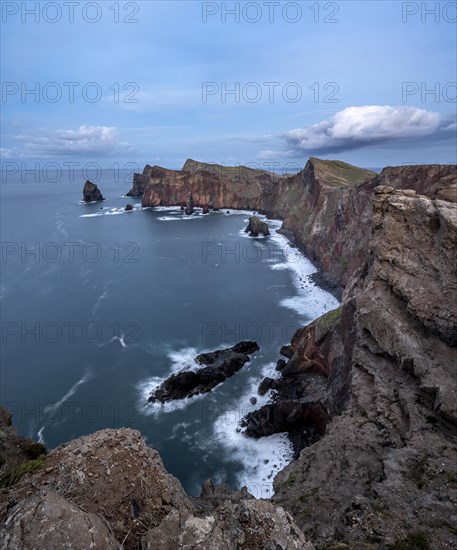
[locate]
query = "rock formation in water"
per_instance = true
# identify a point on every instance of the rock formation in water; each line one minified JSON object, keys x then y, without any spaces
{"x":189,"y":205}
{"x":256,"y":227}
{"x":223,"y":364}
{"x":109,"y":490}
{"x":91,"y":192}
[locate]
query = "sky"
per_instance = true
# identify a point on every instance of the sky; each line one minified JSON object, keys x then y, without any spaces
{"x":267,"y":84}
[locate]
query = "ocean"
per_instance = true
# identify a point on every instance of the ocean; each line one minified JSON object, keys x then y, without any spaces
{"x":99,"y":305}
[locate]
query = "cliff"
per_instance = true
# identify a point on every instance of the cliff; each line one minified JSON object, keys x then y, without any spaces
{"x":326,"y":206}
{"x":109,"y":490}
{"x":383,"y":367}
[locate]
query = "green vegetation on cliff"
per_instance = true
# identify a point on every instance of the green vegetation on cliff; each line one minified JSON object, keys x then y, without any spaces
{"x":237,"y":173}
{"x":338,"y":173}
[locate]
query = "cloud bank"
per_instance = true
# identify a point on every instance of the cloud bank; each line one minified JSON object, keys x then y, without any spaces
{"x":356,"y":127}
{"x":87,"y":141}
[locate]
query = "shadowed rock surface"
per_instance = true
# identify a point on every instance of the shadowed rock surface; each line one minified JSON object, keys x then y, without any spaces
{"x":91,"y":192}
{"x":224,"y":363}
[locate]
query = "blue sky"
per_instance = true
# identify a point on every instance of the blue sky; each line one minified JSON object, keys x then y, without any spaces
{"x":372,"y":83}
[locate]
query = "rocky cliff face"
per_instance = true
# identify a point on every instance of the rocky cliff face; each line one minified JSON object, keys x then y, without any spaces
{"x":109,"y":490}
{"x":326,"y":206}
{"x":384,"y":368}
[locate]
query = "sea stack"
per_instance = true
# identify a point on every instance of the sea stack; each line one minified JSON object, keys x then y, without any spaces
{"x":256,"y":226}
{"x":91,"y":192}
{"x":189,"y":205}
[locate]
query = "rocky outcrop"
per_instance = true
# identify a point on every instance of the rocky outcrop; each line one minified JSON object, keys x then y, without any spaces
{"x":189,"y":205}
{"x":91,"y":192}
{"x":109,"y":490}
{"x":256,"y":227}
{"x":223,"y":364}
{"x":383,"y":367}
{"x":326,"y":206}
{"x":128,"y":207}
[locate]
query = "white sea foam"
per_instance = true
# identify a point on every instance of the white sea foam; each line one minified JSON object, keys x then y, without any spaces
{"x":52,"y":408}
{"x":100,"y":298}
{"x":40,"y":436}
{"x":263,"y":458}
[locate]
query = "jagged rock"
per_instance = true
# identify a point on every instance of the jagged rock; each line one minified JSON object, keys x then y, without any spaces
{"x":128,"y":207}
{"x":109,"y":490}
{"x":280,"y":364}
{"x":47,"y":520}
{"x":287,"y":351}
{"x":91,"y":192}
{"x":189,"y":205}
{"x":227,"y":520}
{"x":265,"y":385}
{"x":383,"y":366}
{"x":224,"y":363}
{"x":256,"y":226}
{"x":206,"y":209}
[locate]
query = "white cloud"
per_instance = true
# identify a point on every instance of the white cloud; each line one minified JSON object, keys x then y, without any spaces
{"x":356,"y":127}
{"x":85,"y":141}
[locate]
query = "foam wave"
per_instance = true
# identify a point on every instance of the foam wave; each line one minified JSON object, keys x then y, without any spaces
{"x":261,"y":459}
{"x":100,"y":298}
{"x":52,"y":408}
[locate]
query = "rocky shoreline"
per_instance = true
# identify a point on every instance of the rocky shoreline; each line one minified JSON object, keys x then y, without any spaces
{"x":368,"y":392}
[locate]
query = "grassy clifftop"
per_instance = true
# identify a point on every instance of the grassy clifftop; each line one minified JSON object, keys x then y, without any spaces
{"x":241,"y":172}
{"x":338,"y":173}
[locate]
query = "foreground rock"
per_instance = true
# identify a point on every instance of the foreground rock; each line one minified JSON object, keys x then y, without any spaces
{"x":256,"y":227}
{"x":224,"y":363}
{"x":109,"y":490}
{"x":91,"y":192}
{"x":383,"y":367}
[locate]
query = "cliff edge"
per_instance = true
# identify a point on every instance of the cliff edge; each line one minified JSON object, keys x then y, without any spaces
{"x":384,"y":474}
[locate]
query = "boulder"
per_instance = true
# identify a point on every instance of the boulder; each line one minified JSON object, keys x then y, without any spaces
{"x":91,"y":192}
{"x":222,"y":364}
{"x":128,"y":207}
{"x":256,"y":226}
{"x":205,"y":209}
{"x":287,"y":351}
{"x":266,"y":384}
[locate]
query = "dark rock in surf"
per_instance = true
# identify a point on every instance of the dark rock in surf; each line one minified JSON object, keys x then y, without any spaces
{"x":222,"y":364}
